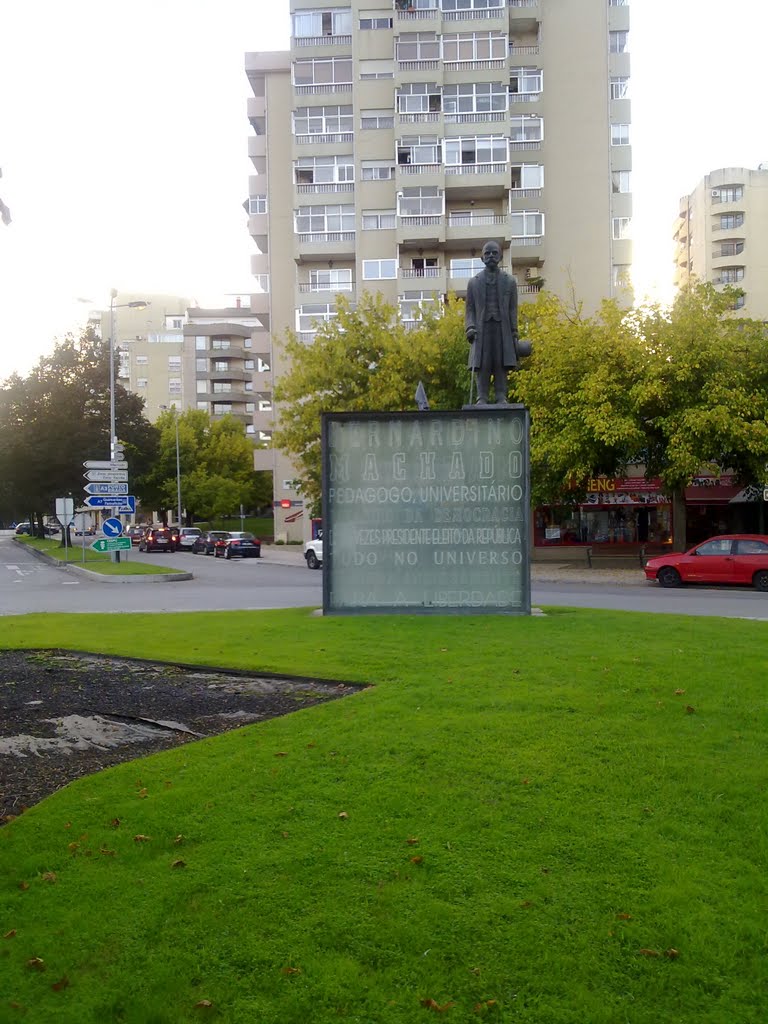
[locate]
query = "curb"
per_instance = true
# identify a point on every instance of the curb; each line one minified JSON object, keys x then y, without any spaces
{"x":78,"y":570}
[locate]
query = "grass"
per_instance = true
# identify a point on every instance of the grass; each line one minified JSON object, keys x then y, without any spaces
{"x":262,"y":527}
{"x":95,"y":561}
{"x":522,"y":820}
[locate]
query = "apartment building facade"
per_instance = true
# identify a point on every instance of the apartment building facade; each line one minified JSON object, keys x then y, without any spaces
{"x":721,"y":235}
{"x":397,"y":136}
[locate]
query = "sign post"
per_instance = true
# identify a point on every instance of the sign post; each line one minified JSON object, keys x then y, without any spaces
{"x":108,"y":480}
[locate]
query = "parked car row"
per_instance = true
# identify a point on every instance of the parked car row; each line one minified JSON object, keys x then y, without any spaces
{"x":219,"y":543}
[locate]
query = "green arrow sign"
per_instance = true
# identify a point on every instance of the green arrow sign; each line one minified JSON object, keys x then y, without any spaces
{"x":112,"y":544}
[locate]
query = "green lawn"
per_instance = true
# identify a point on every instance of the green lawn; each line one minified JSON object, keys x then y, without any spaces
{"x":548,"y":820}
{"x":96,"y":561}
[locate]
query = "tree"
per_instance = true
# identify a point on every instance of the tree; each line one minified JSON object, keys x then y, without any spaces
{"x":59,"y":416}
{"x":216,"y":467}
{"x":366,"y":359}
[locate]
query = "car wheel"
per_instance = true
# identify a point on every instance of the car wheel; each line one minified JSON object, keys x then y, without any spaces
{"x":668,"y":577}
{"x":227,"y":553}
{"x":760,"y":580}
{"x":312,"y":562}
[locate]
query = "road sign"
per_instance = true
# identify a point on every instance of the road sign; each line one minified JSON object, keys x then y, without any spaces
{"x":65,"y":508}
{"x":107,"y":475}
{"x":112,"y":527}
{"x":112,"y":489}
{"x":122,"y":503}
{"x":105,"y":464}
{"x":112,"y":544}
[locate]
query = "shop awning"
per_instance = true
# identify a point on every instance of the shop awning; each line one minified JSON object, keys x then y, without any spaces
{"x":717,"y":494}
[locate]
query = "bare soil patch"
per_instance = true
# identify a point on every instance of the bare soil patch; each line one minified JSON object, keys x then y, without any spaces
{"x":66,"y":714}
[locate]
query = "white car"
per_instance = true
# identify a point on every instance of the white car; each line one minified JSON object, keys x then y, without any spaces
{"x":313,"y":552}
{"x":188,"y":535}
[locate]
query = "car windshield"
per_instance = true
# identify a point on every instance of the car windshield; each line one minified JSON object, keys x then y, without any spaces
{"x":242,"y":536}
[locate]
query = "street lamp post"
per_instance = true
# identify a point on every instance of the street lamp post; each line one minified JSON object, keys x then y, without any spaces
{"x":178,"y":460}
{"x":138,"y":304}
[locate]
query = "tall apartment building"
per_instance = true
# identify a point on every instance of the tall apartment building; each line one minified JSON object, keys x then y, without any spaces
{"x":153,"y":360}
{"x":397,"y":136}
{"x":721,"y":235}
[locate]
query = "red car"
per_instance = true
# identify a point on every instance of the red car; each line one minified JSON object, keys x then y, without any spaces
{"x":734,"y":558}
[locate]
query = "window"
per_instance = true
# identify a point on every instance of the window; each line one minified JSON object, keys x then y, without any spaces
{"x":201,"y":343}
{"x":418,"y":149}
{"x":203,"y":406}
{"x":262,"y":365}
{"x":731,"y":248}
{"x":221,"y":387}
{"x":174,"y":362}
{"x":377,"y":170}
{"x":727,"y":194}
{"x":310,"y":316}
{"x":328,"y":120}
{"x":201,"y":386}
{"x":323,"y":219}
{"x":250,"y":407}
{"x":526,"y":128}
{"x":526,"y":224}
{"x":336,"y":22}
{"x":141,"y":382}
{"x":465,"y":268}
{"x":618,"y":42}
{"x":619,"y":134}
{"x":738,"y":302}
{"x":376,"y":22}
{"x":619,"y":87}
{"x":479,"y":150}
{"x":221,"y":366}
{"x":323,"y":71}
{"x":248,"y":364}
{"x":427,"y":201}
{"x":222,"y":408}
{"x":417,"y":46}
{"x":618,"y":3}
{"x":715,"y":547}
{"x":175,"y":323}
{"x":265,"y":405}
{"x":257,"y":204}
{"x":470,"y":5}
{"x":621,"y":275}
{"x":751,"y":547}
{"x":728,"y":221}
{"x":377,"y":118}
{"x":730,"y":275}
{"x":527,"y":176}
{"x":220,"y":343}
{"x":413,"y":303}
{"x":621,"y":227}
{"x":314,"y":170}
{"x":472,"y":46}
{"x":372,"y":69}
{"x":140,"y":360}
{"x":331,"y":280}
{"x":378,"y":220}
{"x":621,"y":181}
{"x":379,"y":270}
{"x":201,"y":365}
{"x":475,"y":98}
{"x":526,"y":80}
{"x":418,"y":98}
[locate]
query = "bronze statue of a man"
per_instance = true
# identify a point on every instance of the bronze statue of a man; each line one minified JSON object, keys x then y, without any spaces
{"x":491,"y":325}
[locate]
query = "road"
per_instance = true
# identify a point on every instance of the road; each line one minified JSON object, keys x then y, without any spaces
{"x":280,"y":579}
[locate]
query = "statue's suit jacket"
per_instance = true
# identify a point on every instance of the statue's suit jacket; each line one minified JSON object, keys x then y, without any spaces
{"x":475,"y":315}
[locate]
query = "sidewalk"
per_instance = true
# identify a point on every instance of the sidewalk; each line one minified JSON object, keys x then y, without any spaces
{"x":541,"y":572}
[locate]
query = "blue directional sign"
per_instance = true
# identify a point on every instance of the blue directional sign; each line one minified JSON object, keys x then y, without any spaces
{"x":119,"y":502}
{"x":106,"y":488}
{"x":112,"y":527}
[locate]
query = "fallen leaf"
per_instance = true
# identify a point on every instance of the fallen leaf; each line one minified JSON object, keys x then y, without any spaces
{"x":479,"y":1007}
{"x":36,"y":964}
{"x":115,"y":823}
{"x":412,"y":841}
{"x":475,"y":970}
{"x":284,"y":835}
{"x":290,"y":970}
{"x":204,"y":1004}
{"x":432,"y":1005}
{"x":311,"y":745}
{"x":417,"y":860}
{"x":23,"y":886}
{"x":624,"y":917}
{"x":61,"y":984}
{"x":526,"y":782}
{"x":690,"y":710}
{"x":106,"y":852}
{"x":49,"y":876}
{"x":141,"y":839}
{"x":67,"y":824}
{"x":281,"y":753}
{"x":648,"y":952}
{"x":526,"y":904}
{"x":167,"y":783}
{"x":679,"y":693}
{"x":343,"y":815}
{"x":10,"y":934}
{"x":179,"y":864}
{"x":73,"y":847}
{"x":673,"y":954}
{"x":178,"y":840}
{"x":142,"y":794}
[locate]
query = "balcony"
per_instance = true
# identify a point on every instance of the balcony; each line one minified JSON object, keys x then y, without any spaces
{"x":477,"y":118}
{"x":262,"y":382}
{"x":324,"y":187}
{"x":427,"y":279}
{"x":524,"y":50}
{"x":466,"y":229}
{"x":431,"y":117}
{"x":226,"y":375}
{"x":263,"y":419}
{"x":421,"y":230}
{"x":326,"y":290}
{"x":327,"y":40}
{"x":324,"y":87}
{"x":476,"y":65}
{"x":257,"y":146}
{"x":406,"y":12}
{"x":318,"y":138}
{"x":418,"y":65}
{"x":524,"y":97}
{"x":479,"y":14}
{"x":321,"y":243}
{"x":525,"y":193}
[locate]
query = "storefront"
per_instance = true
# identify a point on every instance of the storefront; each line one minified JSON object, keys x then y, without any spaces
{"x":628,"y":511}
{"x":716,"y":505}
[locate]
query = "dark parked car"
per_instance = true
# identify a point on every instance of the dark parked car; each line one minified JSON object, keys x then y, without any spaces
{"x":237,"y":545}
{"x":733,"y":558}
{"x":175,"y":536}
{"x":23,"y":528}
{"x":135,"y":532}
{"x":157,"y":538}
{"x":204,"y":543}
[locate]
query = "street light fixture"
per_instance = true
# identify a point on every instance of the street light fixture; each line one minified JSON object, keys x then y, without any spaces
{"x":137,"y":304}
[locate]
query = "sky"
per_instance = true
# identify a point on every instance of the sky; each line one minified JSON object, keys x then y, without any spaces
{"x":124,"y":135}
